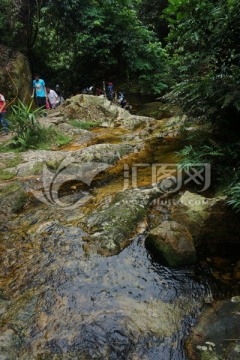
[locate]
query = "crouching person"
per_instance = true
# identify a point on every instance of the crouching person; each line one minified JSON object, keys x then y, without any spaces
{"x":53,"y":98}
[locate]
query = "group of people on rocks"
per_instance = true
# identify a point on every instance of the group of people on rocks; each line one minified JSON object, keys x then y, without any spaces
{"x":123,"y":101}
{"x":110,"y":93}
{"x":45,"y":96}
{"x":48,"y":98}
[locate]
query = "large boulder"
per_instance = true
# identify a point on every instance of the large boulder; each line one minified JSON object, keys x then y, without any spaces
{"x":173,"y":242}
{"x":101,"y":110}
{"x":192,"y":210}
{"x":33,"y":161}
{"x":212,"y":223}
{"x":113,"y":226}
{"x":217,"y":332}
{"x":15,"y":75}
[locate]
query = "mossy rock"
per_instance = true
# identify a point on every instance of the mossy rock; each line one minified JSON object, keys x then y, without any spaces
{"x":13,"y":198}
{"x":15,"y":73}
{"x":113,"y":226}
{"x":172,"y":242}
{"x":212,"y":223}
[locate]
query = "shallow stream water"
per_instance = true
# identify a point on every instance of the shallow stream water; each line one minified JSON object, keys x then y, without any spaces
{"x":57,"y":302}
{"x":61,"y":304}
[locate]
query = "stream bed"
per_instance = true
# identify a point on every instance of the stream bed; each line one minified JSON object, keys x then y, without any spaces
{"x":59,"y":302}
{"x":62,"y":304}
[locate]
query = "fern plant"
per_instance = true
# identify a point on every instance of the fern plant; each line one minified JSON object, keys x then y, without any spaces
{"x":224,"y":161}
{"x":25,"y":124}
{"x":234,"y":197}
{"x":201,"y":154}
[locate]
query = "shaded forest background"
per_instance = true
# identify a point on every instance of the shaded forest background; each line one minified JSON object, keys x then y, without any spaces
{"x":185,"y":51}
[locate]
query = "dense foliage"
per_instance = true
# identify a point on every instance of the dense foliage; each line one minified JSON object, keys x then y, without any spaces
{"x":151,"y":13}
{"x":82,"y":42}
{"x":19,"y":21}
{"x":205,"y":48}
{"x":89,"y":41}
{"x":205,"y":63}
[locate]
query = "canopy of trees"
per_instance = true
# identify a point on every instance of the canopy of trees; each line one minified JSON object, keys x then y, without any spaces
{"x":205,"y":48}
{"x":84,"y":41}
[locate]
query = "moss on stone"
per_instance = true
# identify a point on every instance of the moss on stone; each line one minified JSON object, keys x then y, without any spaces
{"x":20,"y":201}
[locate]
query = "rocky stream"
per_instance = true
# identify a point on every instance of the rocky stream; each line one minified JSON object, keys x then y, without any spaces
{"x":101,"y":259}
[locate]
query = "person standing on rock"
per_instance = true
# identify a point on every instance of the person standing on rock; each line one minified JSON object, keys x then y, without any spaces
{"x":39,"y":90}
{"x":3,"y":121}
{"x":110,"y":91}
{"x":53,"y":98}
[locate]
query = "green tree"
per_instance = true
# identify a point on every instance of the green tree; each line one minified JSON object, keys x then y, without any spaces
{"x":19,"y":21}
{"x":89,"y":40}
{"x":205,"y":59}
{"x":151,"y":13}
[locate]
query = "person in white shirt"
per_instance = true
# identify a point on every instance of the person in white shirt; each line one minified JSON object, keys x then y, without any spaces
{"x":53,"y":98}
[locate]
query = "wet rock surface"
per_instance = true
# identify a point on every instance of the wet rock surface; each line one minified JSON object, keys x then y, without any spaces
{"x":114,"y":225}
{"x":33,"y":161}
{"x":217,"y":333}
{"x":173,"y":242}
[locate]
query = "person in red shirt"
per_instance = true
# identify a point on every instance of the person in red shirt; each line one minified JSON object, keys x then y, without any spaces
{"x":3,"y":121}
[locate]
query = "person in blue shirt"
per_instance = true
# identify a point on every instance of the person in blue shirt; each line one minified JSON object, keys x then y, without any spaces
{"x":110,"y":91}
{"x":39,"y":90}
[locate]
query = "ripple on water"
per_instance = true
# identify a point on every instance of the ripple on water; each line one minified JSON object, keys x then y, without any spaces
{"x":65,"y":304}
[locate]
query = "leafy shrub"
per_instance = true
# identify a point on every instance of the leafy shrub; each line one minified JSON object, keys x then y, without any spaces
{"x":224,"y":160}
{"x":25,"y":125}
{"x":29,"y":133}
